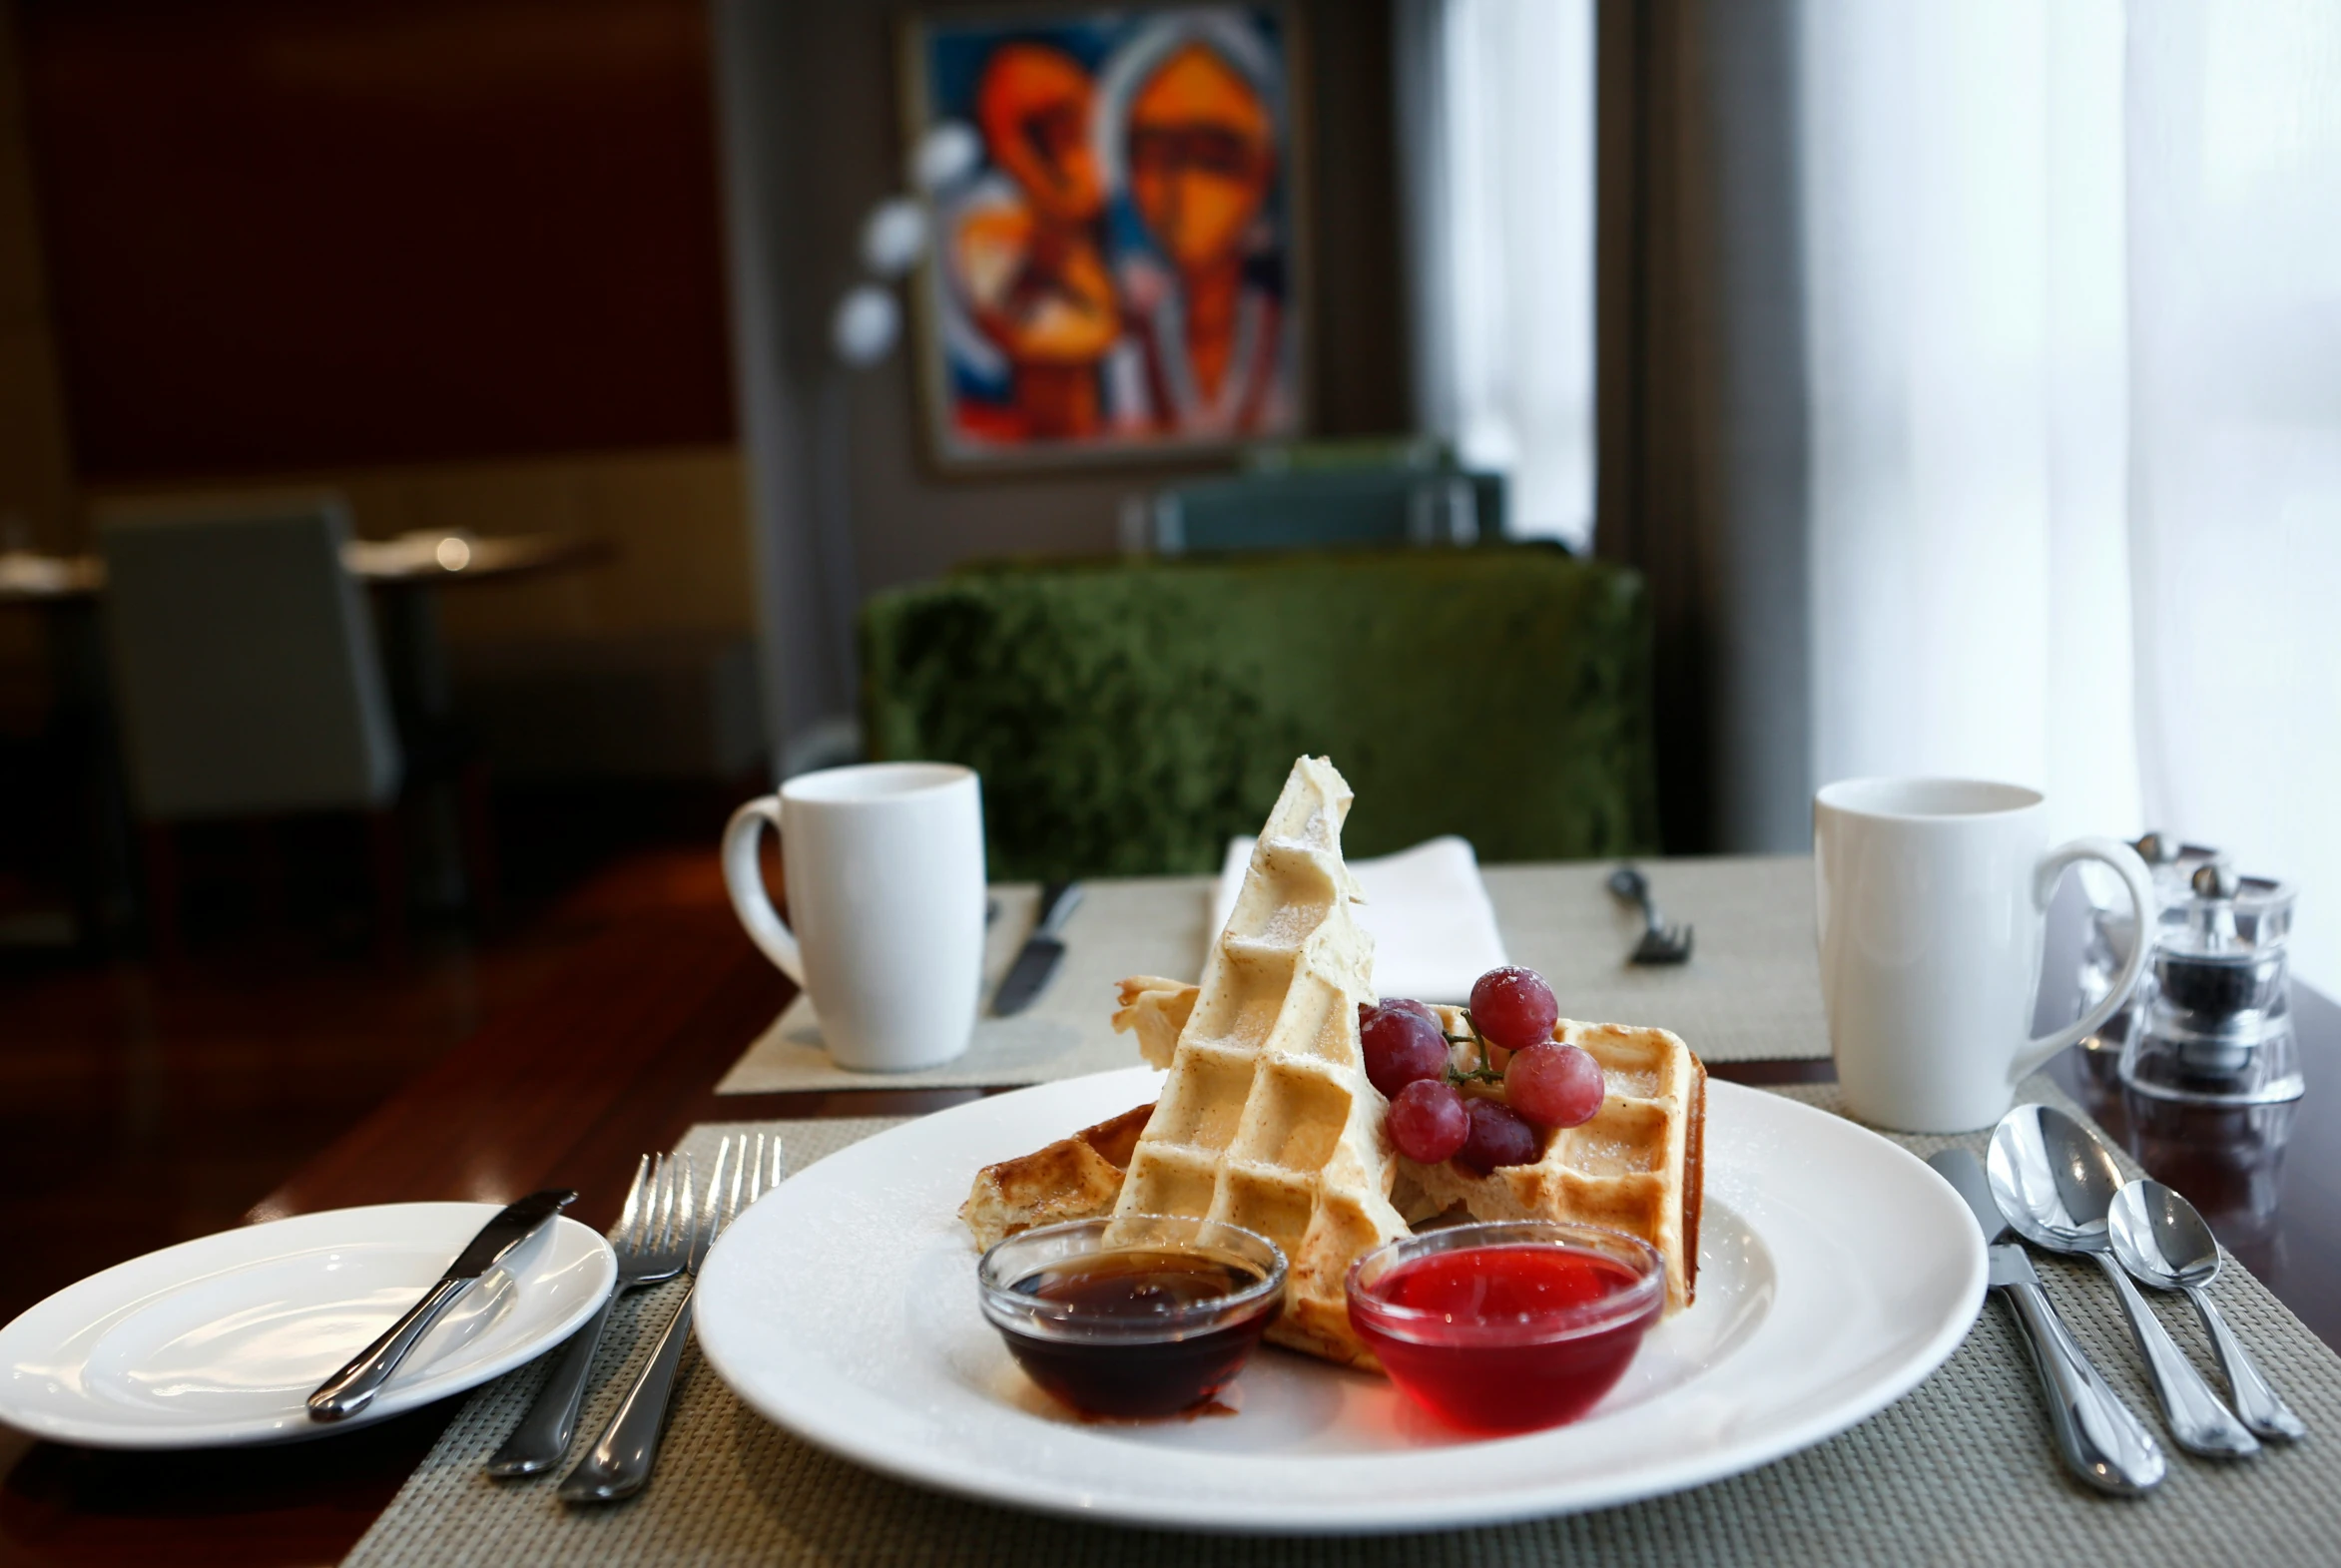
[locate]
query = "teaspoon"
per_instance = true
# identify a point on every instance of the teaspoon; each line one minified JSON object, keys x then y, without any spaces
{"x":2161,"y":1238}
{"x":2056,"y":1184}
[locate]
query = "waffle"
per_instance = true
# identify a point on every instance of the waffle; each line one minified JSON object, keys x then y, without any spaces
{"x":1076,"y":1178}
{"x":1080,"y":1177}
{"x":1158,"y":1009}
{"x":1266,"y":1119}
{"x":1637,"y":1166}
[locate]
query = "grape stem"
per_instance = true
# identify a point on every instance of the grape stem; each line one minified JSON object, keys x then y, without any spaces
{"x":1482,"y":1074}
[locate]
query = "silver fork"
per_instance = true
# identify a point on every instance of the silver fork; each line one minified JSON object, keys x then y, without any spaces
{"x":1661,"y":942}
{"x":621,"y":1463}
{"x":652,"y":1243}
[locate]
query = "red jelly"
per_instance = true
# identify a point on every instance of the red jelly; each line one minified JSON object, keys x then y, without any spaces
{"x":1510,"y":1326}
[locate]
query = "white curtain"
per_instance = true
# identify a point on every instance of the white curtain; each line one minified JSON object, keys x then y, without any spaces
{"x":2073,"y":348}
{"x":1495,"y":105}
{"x":2235,"y":434}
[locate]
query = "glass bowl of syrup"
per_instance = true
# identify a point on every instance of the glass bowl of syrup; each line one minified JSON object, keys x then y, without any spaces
{"x":1507,"y":1326}
{"x":1133,"y":1316}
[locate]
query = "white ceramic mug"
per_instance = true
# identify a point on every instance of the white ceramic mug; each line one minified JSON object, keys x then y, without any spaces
{"x":883,"y":865}
{"x":1932,"y":896}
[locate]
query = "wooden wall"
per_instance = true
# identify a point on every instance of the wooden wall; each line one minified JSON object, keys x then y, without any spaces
{"x":459,"y":260}
{"x":36,"y":467}
{"x":287,"y":235}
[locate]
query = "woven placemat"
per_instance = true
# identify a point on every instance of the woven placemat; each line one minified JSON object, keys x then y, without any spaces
{"x":1961,"y":1470}
{"x":1752,"y":989}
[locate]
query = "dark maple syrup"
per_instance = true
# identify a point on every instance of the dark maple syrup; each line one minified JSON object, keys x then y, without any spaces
{"x":1130,"y":1332}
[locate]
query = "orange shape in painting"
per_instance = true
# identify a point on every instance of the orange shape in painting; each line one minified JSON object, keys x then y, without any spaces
{"x":1032,"y":273}
{"x":1034,"y":105}
{"x":1039,"y":294}
{"x":1202,"y":157}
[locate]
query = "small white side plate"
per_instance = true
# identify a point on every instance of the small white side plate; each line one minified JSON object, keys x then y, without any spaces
{"x":1835,"y":1271}
{"x":220,"y":1341}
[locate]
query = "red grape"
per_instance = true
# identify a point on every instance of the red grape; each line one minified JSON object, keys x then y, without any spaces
{"x":1428,"y":1121}
{"x":1514,"y":1007}
{"x":1408,"y":1004}
{"x":1554,"y":1085}
{"x":1401,"y":1047}
{"x":1497,"y":1137}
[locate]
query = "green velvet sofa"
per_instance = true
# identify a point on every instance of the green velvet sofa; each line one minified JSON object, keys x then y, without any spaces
{"x":1127,"y":717}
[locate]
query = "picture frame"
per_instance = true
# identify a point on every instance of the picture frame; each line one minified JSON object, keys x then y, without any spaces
{"x":1121,"y":275}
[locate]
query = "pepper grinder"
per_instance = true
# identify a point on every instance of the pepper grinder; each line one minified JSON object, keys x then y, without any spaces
{"x":2212,"y":1022}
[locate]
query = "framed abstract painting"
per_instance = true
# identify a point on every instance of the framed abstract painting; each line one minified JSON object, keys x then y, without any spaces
{"x":1117,"y":275}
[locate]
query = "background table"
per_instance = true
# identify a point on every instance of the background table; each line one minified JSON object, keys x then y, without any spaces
{"x":405,"y":574}
{"x":401,"y":570}
{"x":432,"y":556}
{"x":621,"y":1053}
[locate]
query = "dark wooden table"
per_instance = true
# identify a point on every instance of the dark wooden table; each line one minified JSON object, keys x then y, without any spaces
{"x":621,"y":1053}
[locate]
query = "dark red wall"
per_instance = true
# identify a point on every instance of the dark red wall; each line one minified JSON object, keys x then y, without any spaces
{"x":284,"y":234}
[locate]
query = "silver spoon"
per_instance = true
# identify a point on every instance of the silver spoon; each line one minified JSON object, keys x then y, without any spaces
{"x":1661,"y":943}
{"x":2160,"y":1238}
{"x":2056,"y":1184}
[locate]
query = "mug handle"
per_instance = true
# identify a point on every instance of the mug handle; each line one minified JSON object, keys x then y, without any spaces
{"x":2141,"y":885}
{"x":743,"y":879}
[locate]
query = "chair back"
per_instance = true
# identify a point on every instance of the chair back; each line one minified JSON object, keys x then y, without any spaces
{"x":1313,"y":508}
{"x":1128,"y":717}
{"x":246,"y":675}
{"x":1415,"y":451}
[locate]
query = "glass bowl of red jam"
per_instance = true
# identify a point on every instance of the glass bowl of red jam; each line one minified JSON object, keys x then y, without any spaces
{"x":1134,"y":1316}
{"x":1507,"y":1326}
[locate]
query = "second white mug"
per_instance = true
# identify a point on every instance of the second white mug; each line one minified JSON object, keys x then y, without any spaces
{"x":1932,"y":898}
{"x":884,"y":864}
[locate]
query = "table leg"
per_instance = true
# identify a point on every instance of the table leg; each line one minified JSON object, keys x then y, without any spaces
{"x":83,"y":742}
{"x":414,"y":660}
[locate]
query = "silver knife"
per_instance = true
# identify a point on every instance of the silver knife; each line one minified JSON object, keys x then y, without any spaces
{"x":2100,"y":1437}
{"x":1031,"y":973}
{"x":354,"y":1387}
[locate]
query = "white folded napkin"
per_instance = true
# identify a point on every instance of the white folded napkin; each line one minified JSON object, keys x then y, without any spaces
{"x":1434,"y":929}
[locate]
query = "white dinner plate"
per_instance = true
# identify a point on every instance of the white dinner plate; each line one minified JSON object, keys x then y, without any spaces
{"x":222,"y":1340}
{"x":1835,"y":1273}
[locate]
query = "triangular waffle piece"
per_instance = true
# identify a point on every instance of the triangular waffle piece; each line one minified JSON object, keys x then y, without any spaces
{"x":1266,"y":1119}
{"x":1076,"y":1178}
{"x":1637,"y":1166}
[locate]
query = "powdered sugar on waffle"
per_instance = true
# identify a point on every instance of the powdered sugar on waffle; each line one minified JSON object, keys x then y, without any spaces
{"x":1266,"y":1119}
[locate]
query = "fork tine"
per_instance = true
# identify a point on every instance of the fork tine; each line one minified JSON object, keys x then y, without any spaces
{"x":726,"y":1154}
{"x":652,"y":1200}
{"x":747,"y":1163}
{"x":688,"y":1201}
{"x":631,"y":1215}
{"x":677,"y":1209}
{"x":751,"y":1155}
{"x":764,"y":1154}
